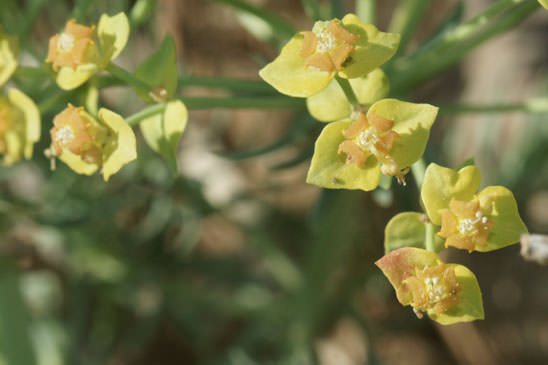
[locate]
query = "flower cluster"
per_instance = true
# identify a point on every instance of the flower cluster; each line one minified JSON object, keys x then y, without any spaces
{"x":96,"y":138}
{"x":336,"y":68}
{"x":81,"y":51}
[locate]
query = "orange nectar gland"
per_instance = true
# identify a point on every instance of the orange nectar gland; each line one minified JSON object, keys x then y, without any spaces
{"x":68,"y":48}
{"x":433,"y":288}
{"x":371,"y":136}
{"x":464,"y":225}
{"x":72,"y":132}
{"x":327,"y":46}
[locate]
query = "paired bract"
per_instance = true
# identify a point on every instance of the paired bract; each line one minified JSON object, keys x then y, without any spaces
{"x":79,"y":52}
{"x":447,"y":293}
{"x":475,"y":221}
{"x":86,"y":144}
{"x":310,"y":60}
{"x":352,"y":153}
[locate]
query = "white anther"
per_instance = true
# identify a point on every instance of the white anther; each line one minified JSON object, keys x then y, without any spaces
{"x":65,"y":42}
{"x":64,"y":135}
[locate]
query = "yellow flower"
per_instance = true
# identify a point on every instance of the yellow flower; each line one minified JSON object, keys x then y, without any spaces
{"x":19,"y":116}
{"x":69,"y":48}
{"x":77,"y":56}
{"x":310,"y":60}
{"x":465,"y":225}
{"x":371,"y":135}
{"x":475,"y":221}
{"x":447,"y":293}
{"x":85,"y":144}
{"x":433,"y":288}
{"x":352,"y":153}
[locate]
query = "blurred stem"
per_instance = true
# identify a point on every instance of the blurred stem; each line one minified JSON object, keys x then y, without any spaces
{"x":145,"y":113}
{"x":254,"y":86}
{"x":537,"y":105}
{"x":348,"y":91}
{"x":244,"y":102}
{"x":229,"y":102}
{"x":430,"y":240}
{"x":277,"y":23}
{"x":412,"y":71}
{"x":418,"y":169}
{"x":127,"y":77}
{"x":312,"y":9}
{"x":230,"y":84}
{"x":366,"y":10}
{"x":406,"y":18}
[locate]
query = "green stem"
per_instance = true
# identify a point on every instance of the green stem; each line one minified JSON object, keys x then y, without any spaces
{"x":222,"y":83}
{"x":232,"y":84}
{"x":535,"y":106}
{"x":417,"y":170}
{"x":244,"y":102}
{"x":127,"y":77}
{"x":147,"y":112}
{"x":366,"y":10}
{"x":229,"y":103}
{"x":430,"y":239}
{"x":348,"y":91}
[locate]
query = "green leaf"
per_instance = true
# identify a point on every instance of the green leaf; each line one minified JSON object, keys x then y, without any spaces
{"x":372,"y":49}
{"x":329,"y":169}
{"x":544,"y":3}
{"x":162,"y":132}
{"x":160,"y":69}
{"x":15,"y":345}
{"x":508,"y":226}
{"x":412,"y":122}
{"x":289,"y":75}
{"x":470,"y":305}
{"x":407,"y":229}
{"x":331,"y":104}
{"x":441,"y":184}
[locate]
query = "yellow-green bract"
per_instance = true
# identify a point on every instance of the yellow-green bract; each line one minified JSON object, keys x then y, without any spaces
{"x":112,"y":34}
{"x":331,"y":104}
{"x":442,"y":184}
{"x":407,"y":262}
{"x":289,"y":74}
{"x":412,"y":122}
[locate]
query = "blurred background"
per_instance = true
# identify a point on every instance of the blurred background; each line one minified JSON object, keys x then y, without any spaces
{"x":237,"y":260}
